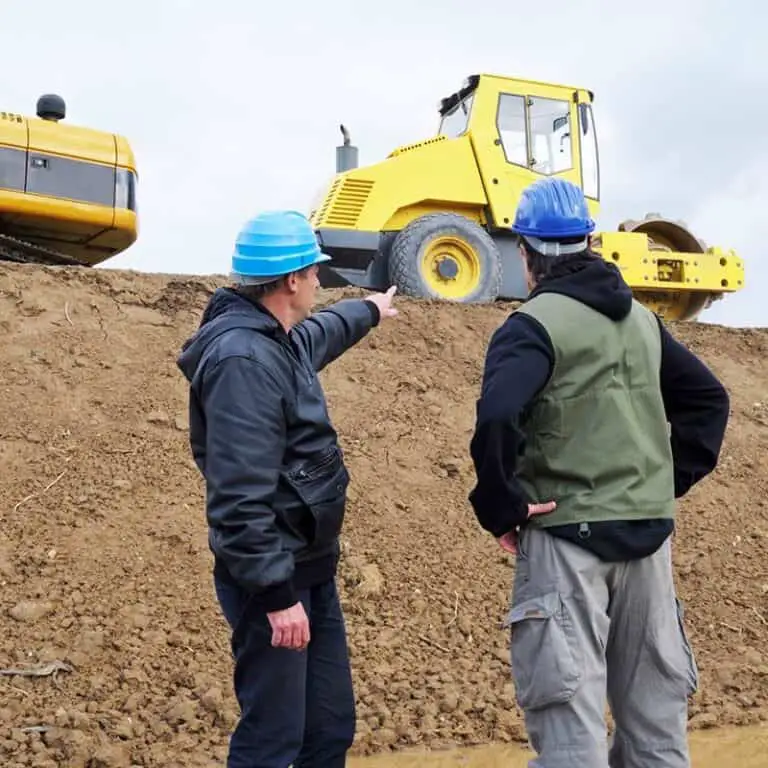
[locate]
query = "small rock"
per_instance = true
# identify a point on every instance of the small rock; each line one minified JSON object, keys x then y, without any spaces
{"x":371,"y":580}
{"x":452,"y":467}
{"x":90,"y":640}
{"x":180,"y":423}
{"x":61,"y":718}
{"x":508,"y":723}
{"x":140,"y":620}
{"x":134,"y":702}
{"x":449,"y":703}
{"x":27,"y":611}
{"x":124,"y":728}
{"x":384,"y":737}
{"x":111,"y":756}
{"x":158,"y":417}
{"x":181,"y":712}
{"x":464,"y":625}
{"x":704,"y":720}
{"x":212,"y":700}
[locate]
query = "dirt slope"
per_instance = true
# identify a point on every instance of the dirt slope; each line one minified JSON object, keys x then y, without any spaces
{"x":104,"y":563}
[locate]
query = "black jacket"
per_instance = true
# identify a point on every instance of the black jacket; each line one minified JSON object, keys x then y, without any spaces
{"x":261,"y":436}
{"x":518,"y":365}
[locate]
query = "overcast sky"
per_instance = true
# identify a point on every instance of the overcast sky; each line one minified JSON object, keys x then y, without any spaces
{"x":233,"y":106}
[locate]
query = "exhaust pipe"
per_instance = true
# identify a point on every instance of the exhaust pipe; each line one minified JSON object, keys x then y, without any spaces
{"x":346,"y":154}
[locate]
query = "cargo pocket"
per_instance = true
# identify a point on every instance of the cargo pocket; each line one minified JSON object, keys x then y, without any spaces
{"x":321,"y":486}
{"x":546,"y":660}
{"x":691,"y":671}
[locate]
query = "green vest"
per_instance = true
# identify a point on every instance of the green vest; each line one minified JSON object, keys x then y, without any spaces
{"x":597,"y":438}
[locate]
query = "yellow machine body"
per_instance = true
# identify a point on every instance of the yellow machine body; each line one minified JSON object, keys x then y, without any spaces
{"x":67,"y":193}
{"x":434,"y":216}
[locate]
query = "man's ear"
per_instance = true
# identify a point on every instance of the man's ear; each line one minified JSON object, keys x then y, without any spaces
{"x":291,"y":281}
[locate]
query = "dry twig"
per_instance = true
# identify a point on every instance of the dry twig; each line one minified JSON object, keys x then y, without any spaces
{"x":431,"y":642}
{"x":19,"y":690}
{"x":39,"y":670}
{"x":455,"y":610}
{"x":42,"y":493}
{"x":66,"y":313}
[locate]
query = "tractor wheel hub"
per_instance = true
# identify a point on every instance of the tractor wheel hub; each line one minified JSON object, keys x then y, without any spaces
{"x":447,"y":268}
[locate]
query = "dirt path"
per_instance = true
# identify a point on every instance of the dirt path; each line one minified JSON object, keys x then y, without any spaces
{"x":104,"y":562}
{"x":738,"y":747}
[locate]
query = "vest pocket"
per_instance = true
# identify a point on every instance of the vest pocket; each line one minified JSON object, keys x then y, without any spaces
{"x":546,"y":659}
{"x":321,"y":486}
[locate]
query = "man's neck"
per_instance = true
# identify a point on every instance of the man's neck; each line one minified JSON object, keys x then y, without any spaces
{"x":280,"y":310}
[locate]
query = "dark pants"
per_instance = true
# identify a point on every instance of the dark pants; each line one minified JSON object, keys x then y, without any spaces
{"x":297,"y":707}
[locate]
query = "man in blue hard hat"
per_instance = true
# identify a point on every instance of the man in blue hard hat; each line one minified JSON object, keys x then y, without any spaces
{"x":276,"y":486}
{"x":592,"y":420}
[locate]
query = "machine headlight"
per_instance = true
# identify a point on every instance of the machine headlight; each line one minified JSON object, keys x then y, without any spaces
{"x":125,"y":189}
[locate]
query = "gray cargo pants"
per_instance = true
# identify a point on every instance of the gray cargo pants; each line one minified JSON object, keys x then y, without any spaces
{"x":582,"y":628}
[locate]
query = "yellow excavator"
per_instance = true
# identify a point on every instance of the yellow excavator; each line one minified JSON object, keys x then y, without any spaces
{"x":67,"y":193}
{"x":433,"y":218}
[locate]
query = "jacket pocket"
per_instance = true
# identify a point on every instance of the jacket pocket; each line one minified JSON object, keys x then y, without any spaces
{"x":321,"y":487}
{"x":546,"y":658}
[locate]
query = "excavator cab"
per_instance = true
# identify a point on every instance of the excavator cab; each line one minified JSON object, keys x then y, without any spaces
{"x":433,"y":217}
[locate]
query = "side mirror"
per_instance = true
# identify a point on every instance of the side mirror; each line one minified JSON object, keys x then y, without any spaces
{"x":584,"y":118}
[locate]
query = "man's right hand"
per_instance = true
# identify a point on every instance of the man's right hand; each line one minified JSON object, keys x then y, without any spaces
{"x":508,"y":541}
{"x":290,"y":628}
{"x":384,"y":302}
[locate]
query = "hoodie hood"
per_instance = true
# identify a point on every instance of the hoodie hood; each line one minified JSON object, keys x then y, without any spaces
{"x":226,"y":309}
{"x":596,"y":283}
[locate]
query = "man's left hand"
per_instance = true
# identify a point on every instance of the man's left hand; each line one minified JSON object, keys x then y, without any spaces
{"x":384,"y":302}
{"x":508,"y":541}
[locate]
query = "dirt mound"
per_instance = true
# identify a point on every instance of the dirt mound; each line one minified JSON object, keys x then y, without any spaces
{"x":104,"y":565}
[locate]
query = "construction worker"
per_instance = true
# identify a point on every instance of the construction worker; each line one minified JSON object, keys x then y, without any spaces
{"x":276,"y":484}
{"x":592,"y":420}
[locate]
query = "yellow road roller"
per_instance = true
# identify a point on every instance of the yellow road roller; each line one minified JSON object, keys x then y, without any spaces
{"x":433,"y":217}
{"x":67,"y":193}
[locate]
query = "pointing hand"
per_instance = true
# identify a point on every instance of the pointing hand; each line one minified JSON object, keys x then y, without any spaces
{"x":384,"y":302}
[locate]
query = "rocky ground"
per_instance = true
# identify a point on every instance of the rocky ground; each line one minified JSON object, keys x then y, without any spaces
{"x":105,"y":571}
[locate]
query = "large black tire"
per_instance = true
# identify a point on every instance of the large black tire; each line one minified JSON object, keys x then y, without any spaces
{"x":407,"y":255}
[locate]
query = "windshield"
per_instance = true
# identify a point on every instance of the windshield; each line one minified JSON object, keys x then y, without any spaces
{"x":454,"y":123}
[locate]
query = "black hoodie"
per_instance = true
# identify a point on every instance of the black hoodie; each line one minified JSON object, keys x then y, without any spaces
{"x":261,"y":436}
{"x":518,"y":365}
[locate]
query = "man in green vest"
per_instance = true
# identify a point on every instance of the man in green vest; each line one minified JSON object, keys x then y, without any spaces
{"x":592,"y":421}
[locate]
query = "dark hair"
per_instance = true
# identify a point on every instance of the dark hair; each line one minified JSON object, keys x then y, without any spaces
{"x":258,"y":292}
{"x":261,"y":291}
{"x":544,"y":268}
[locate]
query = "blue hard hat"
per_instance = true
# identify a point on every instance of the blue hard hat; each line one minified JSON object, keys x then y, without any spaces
{"x":552,"y":209}
{"x":273,"y":244}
